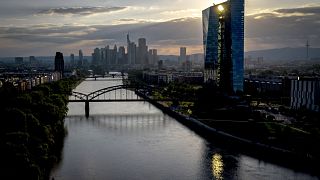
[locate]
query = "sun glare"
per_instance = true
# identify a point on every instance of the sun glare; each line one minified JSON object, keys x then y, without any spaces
{"x":220,"y":8}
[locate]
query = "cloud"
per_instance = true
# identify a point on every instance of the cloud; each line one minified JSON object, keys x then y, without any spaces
{"x":283,"y":28}
{"x":83,"y":11}
{"x":269,"y":31}
{"x":303,"y":10}
{"x":174,"y":33}
{"x":297,"y":12}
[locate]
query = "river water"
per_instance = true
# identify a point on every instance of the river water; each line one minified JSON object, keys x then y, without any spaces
{"x":136,"y":141}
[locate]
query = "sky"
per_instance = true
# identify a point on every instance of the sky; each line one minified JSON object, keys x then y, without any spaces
{"x":42,"y":27}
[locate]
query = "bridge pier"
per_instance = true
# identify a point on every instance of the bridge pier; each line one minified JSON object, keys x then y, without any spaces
{"x":87,"y":109}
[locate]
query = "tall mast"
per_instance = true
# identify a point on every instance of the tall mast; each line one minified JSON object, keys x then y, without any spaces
{"x":308,"y":46}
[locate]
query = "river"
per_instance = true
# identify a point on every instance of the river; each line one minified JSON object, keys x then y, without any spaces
{"x":135,"y":140}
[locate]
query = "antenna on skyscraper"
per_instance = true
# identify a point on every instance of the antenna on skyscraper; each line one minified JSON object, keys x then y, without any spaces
{"x":128,"y":38}
{"x":308,"y":46}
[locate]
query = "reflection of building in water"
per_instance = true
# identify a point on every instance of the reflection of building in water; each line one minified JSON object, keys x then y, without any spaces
{"x":123,"y":122}
{"x":217,"y":166}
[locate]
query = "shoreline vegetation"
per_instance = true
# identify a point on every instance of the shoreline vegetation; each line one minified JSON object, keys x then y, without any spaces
{"x":32,"y":129}
{"x":232,"y":117}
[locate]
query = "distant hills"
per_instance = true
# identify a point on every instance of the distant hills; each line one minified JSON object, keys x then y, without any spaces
{"x":285,"y":54}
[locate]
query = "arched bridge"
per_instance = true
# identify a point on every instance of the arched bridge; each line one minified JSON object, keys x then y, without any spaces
{"x":113,"y":94}
{"x":107,"y":76}
{"x":120,"y":93}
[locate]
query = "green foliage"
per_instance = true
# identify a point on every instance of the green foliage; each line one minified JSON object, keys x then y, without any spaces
{"x":32,"y":130}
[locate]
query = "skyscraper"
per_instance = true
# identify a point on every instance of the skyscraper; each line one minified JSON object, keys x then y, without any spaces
{"x":131,"y":48}
{"x":183,"y":55}
{"x":153,"y":57}
{"x":72,"y":61}
{"x":223,"y":39}
{"x":122,"y":56}
{"x":115,"y":55}
{"x":59,"y":63}
{"x":142,"y":53}
{"x":96,"y":56}
{"x":80,"y":58}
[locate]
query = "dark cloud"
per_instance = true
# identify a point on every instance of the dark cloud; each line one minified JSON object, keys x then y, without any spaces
{"x":305,"y":10}
{"x":283,"y":28}
{"x":182,"y":31}
{"x":84,"y":11}
{"x":276,"y":29}
{"x":127,"y":20}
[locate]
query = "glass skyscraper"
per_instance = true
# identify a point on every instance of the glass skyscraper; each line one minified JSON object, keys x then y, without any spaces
{"x":223,"y":39}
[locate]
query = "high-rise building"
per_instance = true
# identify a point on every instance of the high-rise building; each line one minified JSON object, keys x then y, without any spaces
{"x":223,"y":38}
{"x":108,"y":55}
{"x":183,"y":55}
{"x":131,"y":48}
{"x":132,"y":54}
{"x":18,"y":60}
{"x":150,"y":57}
{"x":80,"y":58}
{"x":96,"y":56}
{"x":115,"y":55}
{"x":59,"y":63}
{"x":305,"y":93}
{"x":142,"y":52}
{"x":153,"y":57}
{"x":33,"y":61}
{"x":122,"y":56}
{"x":103,"y":56}
{"x":72,"y":60}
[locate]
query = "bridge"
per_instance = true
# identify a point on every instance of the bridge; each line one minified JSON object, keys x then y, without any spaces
{"x":120,"y":93}
{"x":106,"y":76}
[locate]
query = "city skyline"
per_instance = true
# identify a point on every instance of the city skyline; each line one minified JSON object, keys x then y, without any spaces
{"x":47,"y":26}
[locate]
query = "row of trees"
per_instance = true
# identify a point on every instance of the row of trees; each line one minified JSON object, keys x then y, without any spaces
{"x":32,"y":129}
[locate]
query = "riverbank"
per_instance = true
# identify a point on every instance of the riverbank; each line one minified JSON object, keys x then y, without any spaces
{"x":264,"y":151}
{"x":32,"y":129}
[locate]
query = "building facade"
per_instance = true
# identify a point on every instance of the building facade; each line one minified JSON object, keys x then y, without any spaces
{"x":223,"y":39}
{"x":80,"y":58}
{"x":183,"y":55}
{"x":305,"y":93}
{"x":59,"y":63}
{"x":142,"y":52}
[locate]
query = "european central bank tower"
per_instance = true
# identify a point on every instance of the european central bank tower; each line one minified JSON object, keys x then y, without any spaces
{"x":223,"y":39}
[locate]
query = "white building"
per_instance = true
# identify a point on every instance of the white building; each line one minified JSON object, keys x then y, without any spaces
{"x":305,"y":93}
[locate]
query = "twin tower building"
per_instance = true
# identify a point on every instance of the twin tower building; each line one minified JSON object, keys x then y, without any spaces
{"x":223,"y":39}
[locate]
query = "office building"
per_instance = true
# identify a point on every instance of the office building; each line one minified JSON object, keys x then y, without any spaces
{"x":122,"y":56}
{"x":72,"y":60}
{"x":153,"y":56}
{"x":33,"y":61}
{"x":59,"y":63}
{"x":183,"y":55}
{"x":114,"y":60}
{"x":305,"y":93}
{"x":142,"y":52}
{"x":96,"y":56}
{"x":223,"y":39}
{"x":132,"y":49}
{"x":18,"y":60}
{"x":103,"y":56}
{"x":80,"y":58}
